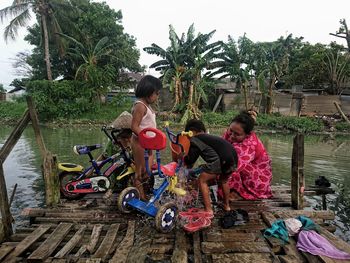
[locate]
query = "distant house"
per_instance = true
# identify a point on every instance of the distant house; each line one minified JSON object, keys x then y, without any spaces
{"x":126,"y":85}
{"x":16,"y":92}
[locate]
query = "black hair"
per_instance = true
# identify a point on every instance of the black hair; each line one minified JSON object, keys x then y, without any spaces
{"x":246,"y":121}
{"x":147,"y":86}
{"x":195,"y":125}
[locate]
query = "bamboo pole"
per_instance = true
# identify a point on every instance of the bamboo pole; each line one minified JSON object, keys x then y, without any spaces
{"x":298,"y":180}
{"x":35,"y":122}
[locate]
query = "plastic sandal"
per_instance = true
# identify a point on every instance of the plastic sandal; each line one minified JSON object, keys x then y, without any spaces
{"x":196,"y":213}
{"x":198,"y":224}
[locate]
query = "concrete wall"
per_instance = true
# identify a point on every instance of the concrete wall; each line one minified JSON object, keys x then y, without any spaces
{"x":291,"y":104}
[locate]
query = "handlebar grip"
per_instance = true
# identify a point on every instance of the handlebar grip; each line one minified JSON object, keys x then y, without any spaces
{"x":189,"y":133}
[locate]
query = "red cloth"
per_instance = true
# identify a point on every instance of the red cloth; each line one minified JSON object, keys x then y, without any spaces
{"x":252,"y":178}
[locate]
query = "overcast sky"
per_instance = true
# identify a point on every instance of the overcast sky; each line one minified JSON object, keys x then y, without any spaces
{"x":266,"y":20}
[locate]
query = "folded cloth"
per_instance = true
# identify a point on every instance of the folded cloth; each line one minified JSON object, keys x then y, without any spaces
{"x":293,"y":226}
{"x":315,"y":244}
{"x":278,"y":230}
{"x":308,"y":224}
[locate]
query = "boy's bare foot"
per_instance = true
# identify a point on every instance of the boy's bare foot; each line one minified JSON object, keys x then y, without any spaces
{"x":233,"y":196}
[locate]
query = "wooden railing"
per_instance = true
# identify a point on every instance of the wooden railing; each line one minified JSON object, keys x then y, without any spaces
{"x":49,"y":167}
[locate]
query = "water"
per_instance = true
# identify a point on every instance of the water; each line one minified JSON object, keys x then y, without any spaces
{"x":323,"y":156}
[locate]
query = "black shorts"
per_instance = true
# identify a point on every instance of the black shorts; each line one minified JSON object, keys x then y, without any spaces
{"x":224,"y":170}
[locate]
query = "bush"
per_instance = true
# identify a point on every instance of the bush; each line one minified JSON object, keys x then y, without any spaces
{"x":61,"y":99}
{"x":12,"y":111}
{"x":342,"y":126}
{"x":302,"y":124}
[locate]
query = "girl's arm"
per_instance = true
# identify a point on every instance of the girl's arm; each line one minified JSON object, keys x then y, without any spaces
{"x":137,"y":114}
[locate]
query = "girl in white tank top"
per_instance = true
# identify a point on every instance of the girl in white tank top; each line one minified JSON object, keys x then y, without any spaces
{"x":143,"y":116}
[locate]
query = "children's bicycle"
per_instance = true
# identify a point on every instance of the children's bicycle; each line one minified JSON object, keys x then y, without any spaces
{"x":165,"y":215}
{"x":111,"y":172}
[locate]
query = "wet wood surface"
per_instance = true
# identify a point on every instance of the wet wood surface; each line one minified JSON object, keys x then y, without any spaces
{"x":89,"y":230}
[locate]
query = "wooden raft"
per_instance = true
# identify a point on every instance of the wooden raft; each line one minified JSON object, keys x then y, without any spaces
{"x":91,"y":231}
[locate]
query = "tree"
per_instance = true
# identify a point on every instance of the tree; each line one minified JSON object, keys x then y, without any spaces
{"x":45,"y":10}
{"x":183,"y":65}
{"x":343,"y":32}
{"x":92,"y":22}
{"x":2,"y":89}
{"x":91,"y":70}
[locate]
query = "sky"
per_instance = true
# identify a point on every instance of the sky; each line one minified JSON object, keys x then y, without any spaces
{"x":262,"y":20}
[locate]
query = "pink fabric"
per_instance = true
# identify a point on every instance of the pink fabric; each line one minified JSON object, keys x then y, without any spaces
{"x":252,"y":178}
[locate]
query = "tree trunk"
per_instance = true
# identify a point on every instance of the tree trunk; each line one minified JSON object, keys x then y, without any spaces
{"x":176,"y":91}
{"x":46,"y":47}
{"x":269,"y":99}
{"x":245,"y":95}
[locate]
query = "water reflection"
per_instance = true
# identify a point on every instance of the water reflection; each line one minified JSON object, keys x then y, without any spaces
{"x":323,"y":156}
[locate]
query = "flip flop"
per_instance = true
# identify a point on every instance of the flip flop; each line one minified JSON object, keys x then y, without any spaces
{"x":196,"y":213}
{"x":198,"y":224}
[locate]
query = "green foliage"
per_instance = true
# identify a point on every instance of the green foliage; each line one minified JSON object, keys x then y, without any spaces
{"x":61,"y":99}
{"x":92,"y":22}
{"x":12,"y":111}
{"x":2,"y":89}
{"x":221,"y":119}
{"x":270,"y":121}
{"x":342,"y":126}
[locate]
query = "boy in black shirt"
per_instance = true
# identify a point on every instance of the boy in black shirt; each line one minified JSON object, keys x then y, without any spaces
{"x":220,"y":157}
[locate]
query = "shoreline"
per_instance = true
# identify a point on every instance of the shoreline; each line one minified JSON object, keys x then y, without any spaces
{"x":98,"y":124}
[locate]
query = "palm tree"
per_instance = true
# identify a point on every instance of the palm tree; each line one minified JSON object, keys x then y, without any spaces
{"x":93,"y":68}
{"x":45,"y":10}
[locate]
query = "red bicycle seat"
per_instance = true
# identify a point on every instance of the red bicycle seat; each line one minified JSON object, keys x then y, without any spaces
{"x":152,"y":139}
{"x":168,"y":169}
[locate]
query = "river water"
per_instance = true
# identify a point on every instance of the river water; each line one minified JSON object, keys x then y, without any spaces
{"x":324,"y":155}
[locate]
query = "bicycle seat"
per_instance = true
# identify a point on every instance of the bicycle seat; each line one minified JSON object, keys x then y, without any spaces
{"x":168,"y":169}
{"x":152,"y":139}
{"x":85,"y":149}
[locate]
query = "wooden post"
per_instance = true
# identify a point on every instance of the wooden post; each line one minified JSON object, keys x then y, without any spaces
{"x":35,"y":123}
{"x":52,"y":192}
{"x":52,"y":188}
{"x":298,"y":180}
{"x":6,"y":216}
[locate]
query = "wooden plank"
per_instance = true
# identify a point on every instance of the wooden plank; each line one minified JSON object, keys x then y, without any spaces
{"x":231,"y":236}
{"x":14,"y":136}
{"x":107,"y":242}
{"x":181,"y":247}
{"x":235,"y":247}
{"x":71,"y":244}
{"x":28,"y":241}
{"x":122,"y":252}
{"x":4,"y":251}
{"x":242,"y":258}
{"x":298,"y":180}
{"x":325,"y":215}
{"x":197,"y":248}
{"x":50,"y":244}
{"x":6,"y":217}
{"x":95,"y":235}
{"x":140,"y":249}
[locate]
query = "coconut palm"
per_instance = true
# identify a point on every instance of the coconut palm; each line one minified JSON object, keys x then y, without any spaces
{"x":94,"y":67}
{"x":45,"y":10}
